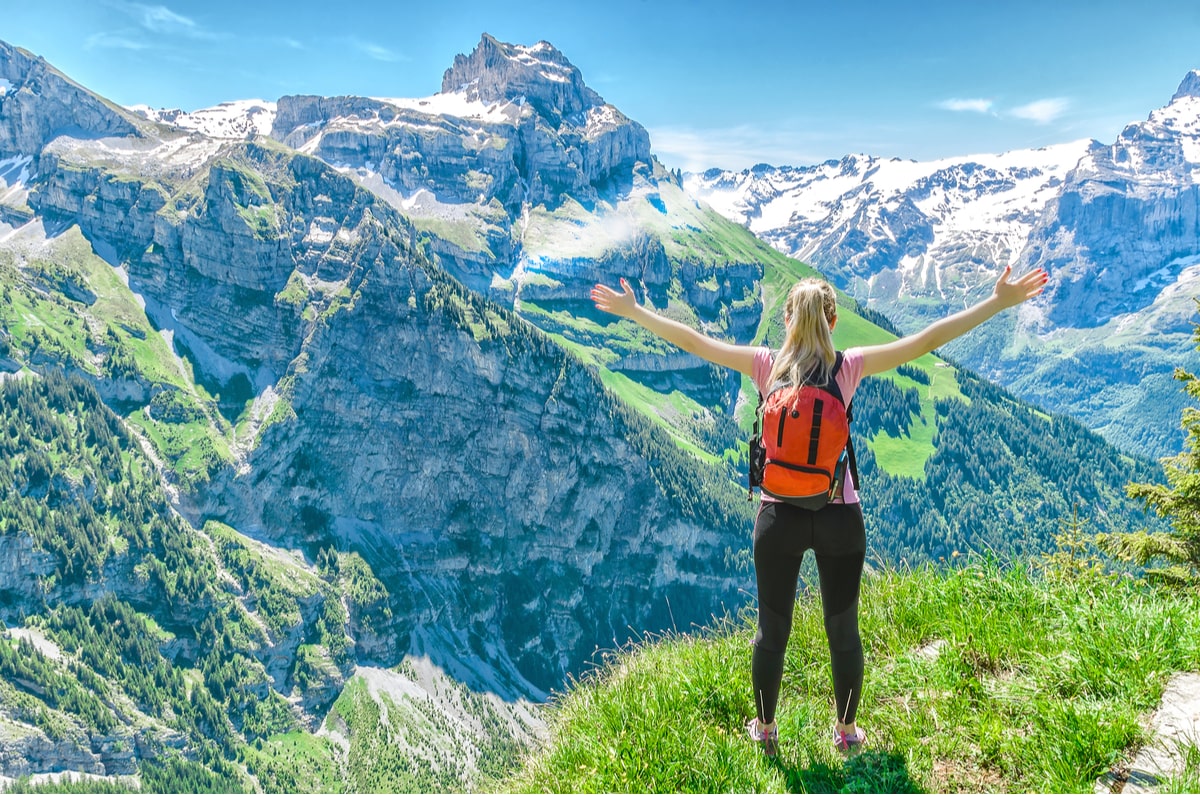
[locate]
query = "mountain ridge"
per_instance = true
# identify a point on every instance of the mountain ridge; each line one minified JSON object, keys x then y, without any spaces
{"x":1116,"y":225}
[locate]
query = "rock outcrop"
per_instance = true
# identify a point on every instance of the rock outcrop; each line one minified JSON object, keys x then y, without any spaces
{"x":37,"y":103}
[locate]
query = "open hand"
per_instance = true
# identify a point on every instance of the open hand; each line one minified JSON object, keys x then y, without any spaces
{"x":621,"y":304}
{"x":1024,"y":288}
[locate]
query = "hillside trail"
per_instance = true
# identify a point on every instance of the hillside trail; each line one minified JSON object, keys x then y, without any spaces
{"x":1174,"y":726}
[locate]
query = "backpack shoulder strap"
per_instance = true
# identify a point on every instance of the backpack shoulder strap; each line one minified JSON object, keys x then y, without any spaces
{"x":837,"y":368}
{"x":831,"y":385}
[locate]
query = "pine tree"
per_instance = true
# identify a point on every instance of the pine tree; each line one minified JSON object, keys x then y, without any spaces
{"x":1178,"y":502}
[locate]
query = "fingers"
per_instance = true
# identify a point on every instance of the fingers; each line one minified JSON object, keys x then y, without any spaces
{"x":1036,"y":279}
{"x":1037,"y":276}
{"x":609,"y":300}
{"x":1023,"y":288}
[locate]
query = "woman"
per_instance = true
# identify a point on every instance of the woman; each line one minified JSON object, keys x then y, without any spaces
{"x":783,"y":532}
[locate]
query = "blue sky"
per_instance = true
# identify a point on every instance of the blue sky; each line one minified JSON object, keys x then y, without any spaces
{"x":725,"y":84}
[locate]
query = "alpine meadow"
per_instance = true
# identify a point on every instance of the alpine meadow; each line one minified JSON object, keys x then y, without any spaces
{"x":322,"y":473}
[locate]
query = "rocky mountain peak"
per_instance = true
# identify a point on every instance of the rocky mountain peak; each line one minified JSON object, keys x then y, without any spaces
{"x":540,"y":74}
{"x":37,"y":102}
{"x":1190,"y":87}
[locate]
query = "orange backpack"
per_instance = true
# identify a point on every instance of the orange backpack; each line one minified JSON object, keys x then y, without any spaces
{"x":801,"y":445}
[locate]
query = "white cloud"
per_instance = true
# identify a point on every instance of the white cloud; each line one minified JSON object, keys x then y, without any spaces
{"x":161,"y":19}
{"x":114,"y":41}
{"x":376,"y":51}
{"x":971,"y":105}
{"x":1043,"y":111}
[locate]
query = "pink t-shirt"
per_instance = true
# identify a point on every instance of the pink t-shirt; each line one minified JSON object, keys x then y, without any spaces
{"x":847,"y":379}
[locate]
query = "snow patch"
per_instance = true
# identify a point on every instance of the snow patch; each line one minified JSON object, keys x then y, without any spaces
{"x":458,"y":105}
{"x":40,"y":642}
{"x":229,"y":120}
{"x":179,"y":153}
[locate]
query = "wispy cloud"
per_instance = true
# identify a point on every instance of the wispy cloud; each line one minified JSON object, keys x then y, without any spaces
{"x":967,"y":105}
{"x":114,"y":41}
{"x":375,"y":51}
{"x":1043,"y":111}
{"x":161,"y":21}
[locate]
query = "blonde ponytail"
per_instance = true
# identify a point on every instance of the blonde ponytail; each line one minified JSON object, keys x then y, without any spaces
{"x":807,"y":355}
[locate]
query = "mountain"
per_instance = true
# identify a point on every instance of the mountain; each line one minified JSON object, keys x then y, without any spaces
{"x":394,"y":472}
{"x":309,"y":378}
{"x":1116,"y":225}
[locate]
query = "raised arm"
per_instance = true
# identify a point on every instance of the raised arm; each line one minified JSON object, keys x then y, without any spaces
{"x":878,"y":358}
{"x":624,"y":304}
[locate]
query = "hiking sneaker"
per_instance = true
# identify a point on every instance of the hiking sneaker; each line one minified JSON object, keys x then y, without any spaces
{"x":849,"y":743}
{"x":768,"y":737}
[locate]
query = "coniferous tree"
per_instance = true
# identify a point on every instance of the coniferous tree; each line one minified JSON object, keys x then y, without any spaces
{"x":1174,"y":555}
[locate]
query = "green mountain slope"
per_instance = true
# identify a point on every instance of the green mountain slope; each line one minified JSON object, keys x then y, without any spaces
{"x":168,"y":659}
{"x":950,"y":464}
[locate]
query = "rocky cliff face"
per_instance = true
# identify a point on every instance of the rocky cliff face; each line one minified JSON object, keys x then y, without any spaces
{"x":1126,"y":222}
{"x":37,"y":103}
{"x":481,"y":472}
{"x":498,"y":72}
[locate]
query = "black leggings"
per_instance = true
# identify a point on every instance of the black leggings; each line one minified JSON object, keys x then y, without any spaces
{"x":782,"y":534}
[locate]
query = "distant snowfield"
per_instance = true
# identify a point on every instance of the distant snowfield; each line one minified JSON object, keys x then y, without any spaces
{"x":833,"y":192}
{"x":14,"y":180}
{"x":458,"y":105}
{"x":228,"y":120}
{"x":175,"y":152}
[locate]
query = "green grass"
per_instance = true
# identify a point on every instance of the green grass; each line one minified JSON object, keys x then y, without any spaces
{"x":670,"y":412}
{"x":905,"y":456}
{"x":1040,"y":685}
{"x":296,"y":762}
{"x":463,"y":233}
{"x":194,"y":450}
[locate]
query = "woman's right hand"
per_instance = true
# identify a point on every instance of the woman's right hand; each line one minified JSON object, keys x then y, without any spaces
{"x":621,"y":304}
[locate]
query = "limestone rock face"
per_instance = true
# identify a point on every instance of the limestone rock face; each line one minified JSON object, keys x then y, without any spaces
{"x":22,"y":567}
{"x":484,"y":475}
{"x":38,"y":102}
{"x":498,"y":72}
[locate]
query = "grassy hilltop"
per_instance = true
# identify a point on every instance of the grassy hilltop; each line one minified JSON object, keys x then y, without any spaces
{"x":979,"y":679}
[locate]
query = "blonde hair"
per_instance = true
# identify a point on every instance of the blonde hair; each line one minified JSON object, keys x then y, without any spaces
{"x":807,"y":351}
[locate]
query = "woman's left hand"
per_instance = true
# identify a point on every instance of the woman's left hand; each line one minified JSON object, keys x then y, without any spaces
{"x":1024,"y":288}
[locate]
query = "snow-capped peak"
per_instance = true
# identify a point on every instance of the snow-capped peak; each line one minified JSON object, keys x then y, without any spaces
{"x":1190,"y":87}
{"x":239,"y":119}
